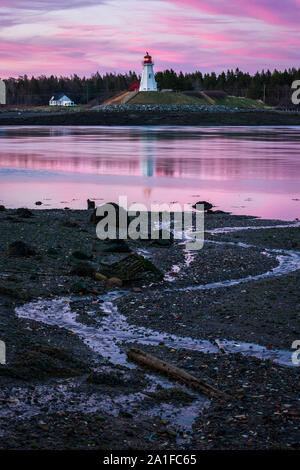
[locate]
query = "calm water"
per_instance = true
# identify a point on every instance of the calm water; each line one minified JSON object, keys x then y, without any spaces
{"x":244,"y":170}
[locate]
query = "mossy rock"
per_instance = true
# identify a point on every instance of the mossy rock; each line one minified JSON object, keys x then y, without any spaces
{"x":132,"y":268}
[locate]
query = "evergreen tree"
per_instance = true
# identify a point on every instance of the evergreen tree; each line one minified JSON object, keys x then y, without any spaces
{"x":38,"y":90}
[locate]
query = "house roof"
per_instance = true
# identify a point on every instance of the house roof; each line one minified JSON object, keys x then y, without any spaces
{"x":59,"y":96}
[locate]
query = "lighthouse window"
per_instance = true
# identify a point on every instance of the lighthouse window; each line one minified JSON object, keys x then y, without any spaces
{"x":149,"y":75}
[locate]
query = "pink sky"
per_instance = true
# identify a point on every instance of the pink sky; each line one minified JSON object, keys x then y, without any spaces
{"x":85,"y":36}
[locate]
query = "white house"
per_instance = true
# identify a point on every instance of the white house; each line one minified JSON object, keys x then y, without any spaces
{"x":61,"y":100}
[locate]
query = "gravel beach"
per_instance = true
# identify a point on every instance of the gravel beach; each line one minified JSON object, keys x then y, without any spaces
{"x":71,"y":305}
{"x":142,"y":115}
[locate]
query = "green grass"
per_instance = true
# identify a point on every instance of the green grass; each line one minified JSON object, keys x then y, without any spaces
{"x":239,"y":102}
{"x":156,"y":97}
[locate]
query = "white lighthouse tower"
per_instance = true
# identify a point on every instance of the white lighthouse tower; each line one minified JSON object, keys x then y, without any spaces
{"x":148,"y":82}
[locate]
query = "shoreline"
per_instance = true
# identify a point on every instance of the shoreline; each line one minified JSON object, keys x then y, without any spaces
{"x":67,"y":383}
{"x":149,"y":116}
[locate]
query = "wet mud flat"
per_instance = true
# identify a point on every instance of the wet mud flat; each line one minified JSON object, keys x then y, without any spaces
{"x":227,"y":314}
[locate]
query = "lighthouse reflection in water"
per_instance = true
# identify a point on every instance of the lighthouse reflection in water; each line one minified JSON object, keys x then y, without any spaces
{"x":148,"y":159}
{"x":254,"y":171}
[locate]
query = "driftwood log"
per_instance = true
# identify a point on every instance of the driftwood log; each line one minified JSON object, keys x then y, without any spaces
{"x":174,"y":372}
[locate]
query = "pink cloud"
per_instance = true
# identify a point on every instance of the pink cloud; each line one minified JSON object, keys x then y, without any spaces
{"x":48,"y":5}
{"x":269,"y":11}
{"x":236,"y":33}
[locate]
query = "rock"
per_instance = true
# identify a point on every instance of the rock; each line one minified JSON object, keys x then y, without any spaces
{"x":91,"y":204}
{"x":41,"y":361}
{"x":114,"y":282}
{"x":44,"y":426}
{"x":114,"y":246}
{"x":83,"y":269}
{"x":70,"y":222}
{"x":13,"y":278}
{"x":24,"y":213}
{"x":15,"y":292}
{"x":133,"y":109}
{"x":81,"y":255}
{"x":94,"y":219}
{"x":20,"y":249}
{"x":38,"y":203}
{"x":100,"y":277}
{"x":164,"y":242}
{"x":78,"y":287}
{"x":105,"y":379}
{"x":207,"y":205}
{"x":52,"y":251}
{"x":2,"y":208}
{"x":133,"y":267}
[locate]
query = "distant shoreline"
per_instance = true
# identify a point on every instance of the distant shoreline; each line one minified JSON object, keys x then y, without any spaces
{"x":149,"y":116}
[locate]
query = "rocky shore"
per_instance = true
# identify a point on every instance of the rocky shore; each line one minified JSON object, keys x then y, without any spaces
{"x":71,"y":305}
{"x":142,"y":115}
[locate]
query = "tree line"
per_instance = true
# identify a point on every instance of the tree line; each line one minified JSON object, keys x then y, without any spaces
{"x":272,"y":87}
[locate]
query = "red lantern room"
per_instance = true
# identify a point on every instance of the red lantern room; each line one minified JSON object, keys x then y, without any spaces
{"x":147,"y":58}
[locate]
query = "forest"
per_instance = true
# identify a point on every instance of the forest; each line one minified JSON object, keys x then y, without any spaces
{"x":274,"y":88}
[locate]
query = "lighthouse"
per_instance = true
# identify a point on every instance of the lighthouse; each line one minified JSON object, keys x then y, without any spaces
{"x":148,"y":82}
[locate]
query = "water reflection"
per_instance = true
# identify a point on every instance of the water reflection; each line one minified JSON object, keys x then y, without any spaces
{"x":244,"y":170}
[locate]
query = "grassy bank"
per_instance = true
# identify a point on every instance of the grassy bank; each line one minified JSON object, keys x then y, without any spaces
{"x":156,"y":97}
{"x":176,"y":98}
